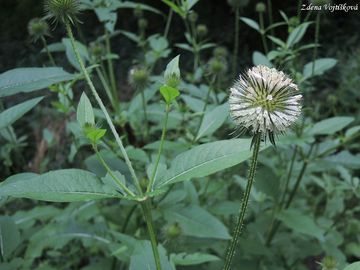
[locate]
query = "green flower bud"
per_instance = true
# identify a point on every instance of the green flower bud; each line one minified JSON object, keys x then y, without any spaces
{"x":293,"y":23}
{"x":220,"y":52}
{"x":217,"y":65}
{"x":202,"y":30}
{"x":142,"y":23}
{"x":97,"y":50}
{"x":138,"y":12}
{"x":63,"y":11}
{"x":329,"y":263}
{"x":172,"y":231}
{"x":260,"y":7}
{"x":138,"y":77}
{"x":238,"y":3}
{"x":193,"y":16}
{"x":38,"y":28}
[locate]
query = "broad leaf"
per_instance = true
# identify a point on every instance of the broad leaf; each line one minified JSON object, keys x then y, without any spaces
{"x":12,"y":114}
{"x":207,"y":159}
{"x":196,"y":221}
{"x":321,"y":65}
{"x":85,"y":113}
{"x":260,"y":59}
{"x":57,"y":186}
{"x":251,"y":23}
{"x":297,"y":34}
{"x":331,"y":125}
{"x":9,"y":236}
{"x":30,"y":79}
{"x":353,"y":266}
{"x":192,"y":259}
{"x":213,"y":120}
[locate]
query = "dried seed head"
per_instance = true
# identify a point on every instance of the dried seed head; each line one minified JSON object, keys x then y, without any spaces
{"x":38,"y":28}
{"x":264,"y":100}
{"x":62,"y":10}
{"x":138,"y":77}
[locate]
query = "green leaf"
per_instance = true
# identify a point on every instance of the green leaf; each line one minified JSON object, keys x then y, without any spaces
{"x":57,"y":186}
{"x":213,"y":120}
{"x":70,"y":54}
{"x":143,"y":258}
{"x":94,"y":134}
{"x":85,"y":112}
{"x":192,"y":259}
{"x":353,"y":266}
{"x":321,"y":65}
{"x":196,"y":221}
{"x":30,"y":79}
{"x":251,"y":23}
{"x":301,"y":223}
{"x":174,"y":7}
{"x":297,"y":34}
{"x":12,"y":114}
{"x":9,"y":236}
{"x":207,"y":159}
{"x":331,"y":125}
{"x":169,"y":93}
{"x":172,"y":69}
{"x":261,"y":59}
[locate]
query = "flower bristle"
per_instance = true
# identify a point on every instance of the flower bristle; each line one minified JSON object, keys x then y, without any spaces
{"x":63,"y":11}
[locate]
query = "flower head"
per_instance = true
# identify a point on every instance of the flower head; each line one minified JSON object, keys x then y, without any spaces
{"x":264,"y":100}
{"x":138,"y":77}
{"x":62,"y":10}
{"x":38,"y":28}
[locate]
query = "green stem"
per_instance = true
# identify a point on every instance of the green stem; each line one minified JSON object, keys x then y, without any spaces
{"x":110,"y":66}
{"x":52,"y":61}
{"x":316,"y":41}
{"x":168,"y":23}
{"x":262,"y":32}
{"x":236,"y":42}
{"x":110,"y":172}
{"x":102,"y":106}
{"x":163,"y":134}
{"x":128,"y":217}
{"x":146,"y":207}
{"x":240,"y":221}
{"x":145,"y":113}
{"x":269,"y":4}
{"x":106,"y":87}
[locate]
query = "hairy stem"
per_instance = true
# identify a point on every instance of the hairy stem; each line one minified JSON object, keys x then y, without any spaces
{"x":163,"y":134}
{"x":102,"y":107}
{"x":240,"y":221}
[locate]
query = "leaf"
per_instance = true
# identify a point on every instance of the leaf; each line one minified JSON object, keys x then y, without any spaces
{"x":261,"y":59}
{"x":196,"y":221}
{"x":94,"y":134}
{"x":9,"y":236}
{"x":353,"y":266}
{"x":67,"y":185}
{"x":12,"y":114}
{"x":70,"y":54}
{"x":297,"y":34}
{"x":174,"y":7}
{"x":331,"y":125}
{"x":192,"y":259}
{"x":169,"y":93}
{"x":251,"y":23}
{"x":300,"y":223}
{"x":143,"y":258}
{"x":172,"y":69}
{"x":321,"y":65}
{"x":207,"y":159}
{"x":30,"y":79}
{"x":213,"y":120}
{"x":84,"y":112}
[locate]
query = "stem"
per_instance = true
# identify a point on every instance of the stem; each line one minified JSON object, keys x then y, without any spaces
{"x":128,"y":217}
{"x":262,"y":32}
{"x":236,"y":42}
{"x":269,"y":5}
{"x":106,"y":87}
{"x":110,"y":172}
{"x":240,"y":221}
{"x":145,"y":114}
{"x":102,"y":107}
{"x":52,"y":61}
{"x":163,"y":134}
{"x":146,"y":207}
{"x":291,"y":197}
{"x":168,"y":22}
{"x":317,"y":30}
{"x":110,"y":66}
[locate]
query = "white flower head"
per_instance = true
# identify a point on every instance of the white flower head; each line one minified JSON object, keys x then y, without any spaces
{"x":265,"y":101}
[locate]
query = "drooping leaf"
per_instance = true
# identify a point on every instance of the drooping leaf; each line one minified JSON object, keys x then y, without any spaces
{"x":206,"y":159}
{"x":12,"y":114}
{"x":196,"y":221}
{"x":58,"y":186}
{"x":30,"y":79}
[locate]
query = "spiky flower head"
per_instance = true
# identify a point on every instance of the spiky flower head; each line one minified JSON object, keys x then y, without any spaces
{"x":329,"y":263}
{"x":38,"y":28}
{"x":265,"y":101}
{"x":138,"y":77}
{"x":63,"y":11}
